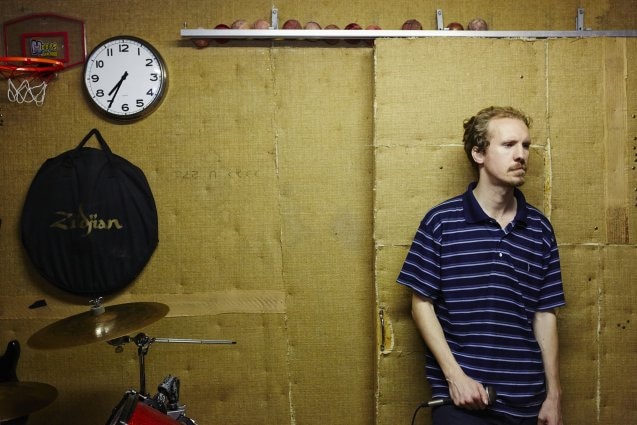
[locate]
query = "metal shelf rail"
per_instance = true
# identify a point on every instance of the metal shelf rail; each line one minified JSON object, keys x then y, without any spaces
{"x":277,"y":34}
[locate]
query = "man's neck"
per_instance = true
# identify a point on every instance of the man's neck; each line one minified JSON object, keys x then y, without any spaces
{"x":497,"y":202}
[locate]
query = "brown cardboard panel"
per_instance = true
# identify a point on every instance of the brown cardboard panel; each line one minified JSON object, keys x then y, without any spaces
{"x":425,"y":95}
{"x":576,"y":118}
{"x":401,"y":367}
{"x":617,"y":158}
{"x":404,"y":388}
{"x":217,"y":191}
{"x":324,"y":173}
{"x":631,"y":138}
{"x":577,"y":328}
{"x":618,"y":339}
{"x":411,"y":180}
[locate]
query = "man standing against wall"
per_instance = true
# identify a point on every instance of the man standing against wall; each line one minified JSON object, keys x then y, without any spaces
{"x":485,"y":274}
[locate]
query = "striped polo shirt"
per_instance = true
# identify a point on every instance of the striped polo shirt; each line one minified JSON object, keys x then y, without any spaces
{"x":486,"y":283}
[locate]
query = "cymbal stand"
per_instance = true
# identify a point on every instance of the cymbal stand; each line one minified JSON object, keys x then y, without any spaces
{"x":96,"y":306}
{"x":143,"y":343}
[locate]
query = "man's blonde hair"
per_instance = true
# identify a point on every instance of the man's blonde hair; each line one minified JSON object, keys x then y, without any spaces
{"x":476,"y":128}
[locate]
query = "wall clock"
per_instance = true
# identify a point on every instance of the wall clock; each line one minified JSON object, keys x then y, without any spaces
{"x":125,"y":78}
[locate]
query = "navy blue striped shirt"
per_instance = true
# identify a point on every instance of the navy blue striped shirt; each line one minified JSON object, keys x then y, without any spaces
{"x":486,"y":283}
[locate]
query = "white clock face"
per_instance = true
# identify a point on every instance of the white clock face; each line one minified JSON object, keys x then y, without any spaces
{"x":125,"y":78}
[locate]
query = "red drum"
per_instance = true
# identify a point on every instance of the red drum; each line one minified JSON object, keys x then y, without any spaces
{"x":132,"y":411}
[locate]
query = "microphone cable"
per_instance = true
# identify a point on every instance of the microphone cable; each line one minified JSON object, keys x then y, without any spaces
{"x":413,"y":418}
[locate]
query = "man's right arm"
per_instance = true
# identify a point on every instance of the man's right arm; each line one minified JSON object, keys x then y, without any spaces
{"x":464,"y":391}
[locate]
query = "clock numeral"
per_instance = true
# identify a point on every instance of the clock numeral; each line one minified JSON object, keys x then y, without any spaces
{"x":99,"y":63}
{"x":149,"y":62}
{"x":109,"y":51}
{"x":154,"y":77}
{"x":139,"y":103}
{"x":123,"y":48}
{"x":125,"y":107}
{"x":99,"y":93}
{"x":95,"y":78}
{"x":150,"y":92}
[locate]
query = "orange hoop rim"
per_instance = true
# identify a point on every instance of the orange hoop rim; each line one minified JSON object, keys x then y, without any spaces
{"x":21,"y":65}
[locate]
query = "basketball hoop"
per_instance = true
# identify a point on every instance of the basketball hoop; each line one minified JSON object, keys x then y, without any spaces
{"x":28,"y":77}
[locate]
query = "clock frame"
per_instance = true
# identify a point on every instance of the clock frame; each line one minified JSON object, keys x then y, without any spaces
{"x":125,"y":78}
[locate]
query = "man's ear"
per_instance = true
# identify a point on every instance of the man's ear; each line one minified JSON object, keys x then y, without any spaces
{"x":478,"y":155}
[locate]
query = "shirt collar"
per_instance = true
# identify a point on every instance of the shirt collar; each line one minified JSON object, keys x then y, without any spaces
{"x":473,"y":213}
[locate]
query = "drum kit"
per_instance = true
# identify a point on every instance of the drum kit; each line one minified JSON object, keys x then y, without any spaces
{"x":110,"y":324}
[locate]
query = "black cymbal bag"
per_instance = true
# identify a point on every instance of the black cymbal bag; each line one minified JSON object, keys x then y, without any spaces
{"x":89,"y":221}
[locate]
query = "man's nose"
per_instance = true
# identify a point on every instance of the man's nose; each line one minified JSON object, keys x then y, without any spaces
{"x":520,"y":153}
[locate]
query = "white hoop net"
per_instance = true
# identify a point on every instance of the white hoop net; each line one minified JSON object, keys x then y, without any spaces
{"x":28,"y":77}
{"x":26,"y":90}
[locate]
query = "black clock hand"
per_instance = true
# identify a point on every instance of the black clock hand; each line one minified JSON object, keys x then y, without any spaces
{"x":115,"y":89}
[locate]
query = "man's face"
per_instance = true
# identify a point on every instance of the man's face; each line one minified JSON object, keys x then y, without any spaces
{"x":505,"y":160}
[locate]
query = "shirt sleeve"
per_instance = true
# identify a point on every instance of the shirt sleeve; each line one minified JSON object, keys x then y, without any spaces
{"x":421,"y":269}
{"x":552,"y":292}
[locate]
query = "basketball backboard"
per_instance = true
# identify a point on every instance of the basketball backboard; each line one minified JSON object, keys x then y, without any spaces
{"x":36,"y":48}
{"x":47,"y":36}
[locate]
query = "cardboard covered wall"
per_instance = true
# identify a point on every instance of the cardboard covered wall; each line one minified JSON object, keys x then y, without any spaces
{"x":265,"y":238}
{"x":581,"y":96}
{"x":278,"y":171}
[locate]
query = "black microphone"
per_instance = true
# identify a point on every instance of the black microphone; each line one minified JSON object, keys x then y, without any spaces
{"x":491,"y":395}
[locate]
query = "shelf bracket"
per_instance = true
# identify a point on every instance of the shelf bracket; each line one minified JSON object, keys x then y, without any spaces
{"x":440,"y":23}
{"x":579,"y":22}
{"x":274,"y":19}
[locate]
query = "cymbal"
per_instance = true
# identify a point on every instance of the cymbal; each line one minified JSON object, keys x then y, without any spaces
{"x":85,"y":328}
{"x":19,"y":399}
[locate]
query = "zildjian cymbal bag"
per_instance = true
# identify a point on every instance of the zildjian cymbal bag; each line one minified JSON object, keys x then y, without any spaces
{"x":89,"y":222}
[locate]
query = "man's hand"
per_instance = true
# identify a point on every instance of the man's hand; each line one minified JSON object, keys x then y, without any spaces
{"x":550,"y":413}
{"x":468,"y":393}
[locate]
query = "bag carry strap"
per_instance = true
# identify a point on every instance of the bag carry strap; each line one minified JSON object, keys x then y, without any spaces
{"x":100,"y":139}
